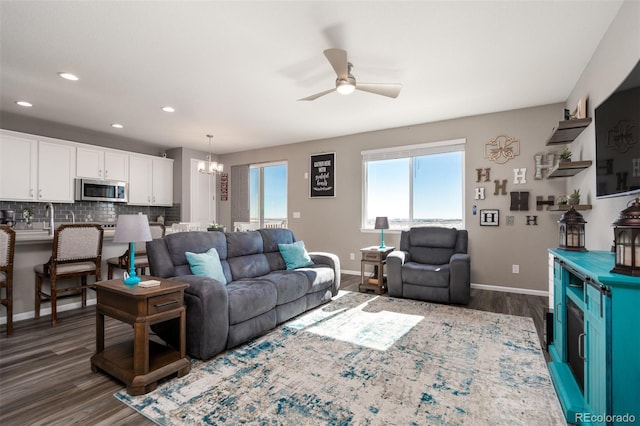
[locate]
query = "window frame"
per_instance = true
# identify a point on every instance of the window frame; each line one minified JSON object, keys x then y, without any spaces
{"x":409,"y":151}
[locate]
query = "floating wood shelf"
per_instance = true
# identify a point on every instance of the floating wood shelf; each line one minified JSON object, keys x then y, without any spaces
{"x":568,"y":168}
{"x":568,"y":130}
{"x":566,"y":207}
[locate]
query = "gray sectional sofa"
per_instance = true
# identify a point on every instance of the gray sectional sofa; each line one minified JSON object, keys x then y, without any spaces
{"x":259,"y":294}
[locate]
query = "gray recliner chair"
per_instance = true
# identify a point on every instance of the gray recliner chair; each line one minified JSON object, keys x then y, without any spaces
{"x":431,"y":265}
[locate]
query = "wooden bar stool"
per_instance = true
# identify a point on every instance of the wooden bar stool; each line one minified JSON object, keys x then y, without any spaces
{"x":7,"y":250}
{"x":77,"y":252}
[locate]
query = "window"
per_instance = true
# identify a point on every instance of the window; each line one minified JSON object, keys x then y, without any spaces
{"x":268,"y":195}
{"x":415,"y":185}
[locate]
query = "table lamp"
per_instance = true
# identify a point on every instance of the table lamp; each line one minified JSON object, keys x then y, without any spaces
{"x":382,"y":223}
{"x":132,"y":228}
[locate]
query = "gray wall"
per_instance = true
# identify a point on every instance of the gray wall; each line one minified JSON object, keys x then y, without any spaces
{"x":617,"y":54}
{"x":334,"y":224}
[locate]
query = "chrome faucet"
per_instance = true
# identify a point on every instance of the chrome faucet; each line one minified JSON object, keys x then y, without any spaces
{"x":49,"y":213}
{"x":73,"y":216}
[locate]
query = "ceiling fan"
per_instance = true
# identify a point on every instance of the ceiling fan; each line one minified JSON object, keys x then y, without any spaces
{"x":346,"y":83}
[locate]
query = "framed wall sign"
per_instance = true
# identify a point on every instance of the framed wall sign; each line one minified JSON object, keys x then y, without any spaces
{"x":322,"y":179}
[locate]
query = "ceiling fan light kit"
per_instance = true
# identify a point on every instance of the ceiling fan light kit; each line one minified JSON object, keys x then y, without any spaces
{"x":346,"y":83}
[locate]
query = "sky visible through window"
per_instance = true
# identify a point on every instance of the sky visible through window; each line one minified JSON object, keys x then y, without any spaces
{"x":437,"y":189}
{"x":275,"y":192}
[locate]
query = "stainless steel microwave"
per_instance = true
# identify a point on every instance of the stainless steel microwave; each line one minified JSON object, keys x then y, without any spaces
{"x":101,"y":190}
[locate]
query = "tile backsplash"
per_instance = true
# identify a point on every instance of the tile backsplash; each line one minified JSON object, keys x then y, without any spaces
{"x":90,"y":211}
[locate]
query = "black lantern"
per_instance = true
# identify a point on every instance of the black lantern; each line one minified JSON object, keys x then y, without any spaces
{"x":626,"y":240}
{"x":571,"y":235}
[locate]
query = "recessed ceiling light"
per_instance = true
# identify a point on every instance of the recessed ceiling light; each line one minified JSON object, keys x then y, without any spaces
{"x":68,"y":76}
{"x":117,"y":125}
{"x":24,"y":104}
{"x":168,"y":109}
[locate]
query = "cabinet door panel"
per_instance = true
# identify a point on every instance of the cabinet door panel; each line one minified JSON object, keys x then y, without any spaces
{"x":559,"y":312}
{"x":55,"y":172}
{"x":139,"y":181}
{"x":162,"y":182}
{"x":116,"y":166}
{"x":18,"y":168}
{"x":89,"y":163}
{"x":595,"y":350}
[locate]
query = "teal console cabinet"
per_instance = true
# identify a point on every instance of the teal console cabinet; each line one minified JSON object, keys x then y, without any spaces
{"x":595,"y":354}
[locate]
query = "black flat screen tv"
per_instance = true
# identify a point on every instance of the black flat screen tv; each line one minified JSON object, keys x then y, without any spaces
{"x":618,"y":140}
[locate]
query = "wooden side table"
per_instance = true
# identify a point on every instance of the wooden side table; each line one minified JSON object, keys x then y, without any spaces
{"x":378,"y":258}
{"x":140,"y":363}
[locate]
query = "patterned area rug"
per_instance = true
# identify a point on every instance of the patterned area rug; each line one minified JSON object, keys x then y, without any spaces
{"x":365,"y":359}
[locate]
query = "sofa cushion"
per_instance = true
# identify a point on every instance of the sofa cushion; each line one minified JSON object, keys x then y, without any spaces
{"x":206,"y":264}
{"x":251,"y":266}
{"x":320,"y":276}
{"x":432,"y":245}
{"x":295,"y":255}
{"x":250,"y":298}
{"x":243,"y":243}
{"x":272,"y":237}
{"x":291,"y":285}
{"x":427,"y":275}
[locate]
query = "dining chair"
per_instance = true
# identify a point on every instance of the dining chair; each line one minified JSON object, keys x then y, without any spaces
{"x":76,"y":253}
{"x":7,"y":250}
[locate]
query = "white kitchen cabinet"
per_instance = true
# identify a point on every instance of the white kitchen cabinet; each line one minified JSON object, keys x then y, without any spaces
{"x":95,"y":163}
{"x":162,"y":182}
{"x":55,"y":172}
{"x":150,"y":181}
{"x":18,"y":168}
{"x":35,"y":170}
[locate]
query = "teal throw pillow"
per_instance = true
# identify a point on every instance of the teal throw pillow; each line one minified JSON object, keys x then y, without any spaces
{"x":295,"y":255}
{"x":206,"y":265}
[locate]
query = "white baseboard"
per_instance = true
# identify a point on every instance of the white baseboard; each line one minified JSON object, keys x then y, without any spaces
{"x":47,"y":311}
{"x":487,"y":287}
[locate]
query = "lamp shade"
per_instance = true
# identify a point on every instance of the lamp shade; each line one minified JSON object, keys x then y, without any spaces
{"x":382,"y":222}
{"x":132,"y":228}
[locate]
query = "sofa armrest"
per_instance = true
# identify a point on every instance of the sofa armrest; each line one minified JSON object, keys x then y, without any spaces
{"x":460,"y":278}
{"x":207,"y":304}
{"x":332,"y":260}
{"x":395,"y":260}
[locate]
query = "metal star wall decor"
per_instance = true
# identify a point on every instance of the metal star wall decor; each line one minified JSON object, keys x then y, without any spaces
{"x":502,"y":149}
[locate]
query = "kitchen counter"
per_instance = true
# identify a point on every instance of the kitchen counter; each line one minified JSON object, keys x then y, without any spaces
{"x":36,"y":236}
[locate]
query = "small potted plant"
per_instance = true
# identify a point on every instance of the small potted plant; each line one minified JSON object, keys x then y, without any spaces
{"x":215,"y":227}
{"x":574,"y":197}
{"x":562,"y":200}
{"x":27,"y":215}
{"x":565,"y":155}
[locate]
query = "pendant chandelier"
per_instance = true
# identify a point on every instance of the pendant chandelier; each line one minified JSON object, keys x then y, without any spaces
{"x":210,"y":167}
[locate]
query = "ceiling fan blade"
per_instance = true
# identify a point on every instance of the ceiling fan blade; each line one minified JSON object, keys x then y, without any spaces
{"x":338,"y":60}
{"x":317,"y":95}
{"x":390,"y":90}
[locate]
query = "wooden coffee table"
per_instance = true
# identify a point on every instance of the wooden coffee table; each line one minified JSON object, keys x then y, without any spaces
{"x":140,"y":363}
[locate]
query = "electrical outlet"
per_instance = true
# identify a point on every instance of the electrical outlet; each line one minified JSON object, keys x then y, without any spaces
{"x":515,"y":269}
{"x":296,"y":215}
{"x":352,"y":256}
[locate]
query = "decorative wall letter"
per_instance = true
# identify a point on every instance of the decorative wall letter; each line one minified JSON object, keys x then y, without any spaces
{"x":532,"y":220}
{"x":489,"y":217}
{"x":519,"y":201}
{"x":551,"y":200}
{"x":519,"y":176}
{"x":502,"y":149}
{"x":485,"y":174}
{"x":543,"y":165}
{"x":500,"y":187}
{"x":480,"y":193}
{"x":636,"y":167}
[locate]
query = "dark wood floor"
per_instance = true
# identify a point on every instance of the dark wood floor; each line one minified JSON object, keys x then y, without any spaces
{"x":45,"y":376}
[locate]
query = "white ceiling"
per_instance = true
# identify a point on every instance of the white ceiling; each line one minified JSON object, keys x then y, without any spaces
{"x":236,"y":68}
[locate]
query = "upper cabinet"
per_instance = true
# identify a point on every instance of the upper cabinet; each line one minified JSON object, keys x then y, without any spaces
{"x":568,"y":130}
{"x":150,"y":181}
{"x":35,"y":170}
{"x":96,"y":163}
